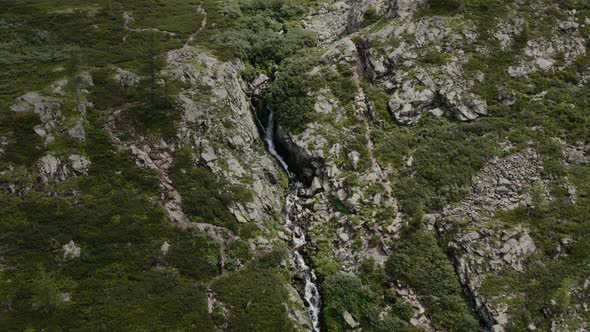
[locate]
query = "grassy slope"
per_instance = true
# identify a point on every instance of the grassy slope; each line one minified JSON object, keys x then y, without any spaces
{"x":122,"y":281}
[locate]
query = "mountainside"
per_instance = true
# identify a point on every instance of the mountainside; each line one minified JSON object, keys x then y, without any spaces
{"x":295,"y":165}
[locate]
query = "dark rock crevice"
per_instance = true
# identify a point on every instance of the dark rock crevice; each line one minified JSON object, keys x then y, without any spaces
{"x":300,"y":163}
{"x":304,"y":166}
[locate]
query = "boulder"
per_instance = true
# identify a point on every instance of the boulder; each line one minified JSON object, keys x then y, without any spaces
{"x":70,"y":250}
{"x":80,"y":164}
{"x":350,"y":321}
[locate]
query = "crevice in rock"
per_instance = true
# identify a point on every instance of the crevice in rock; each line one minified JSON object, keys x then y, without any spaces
{"x":486,"y":319}
{"x":300,"y":163}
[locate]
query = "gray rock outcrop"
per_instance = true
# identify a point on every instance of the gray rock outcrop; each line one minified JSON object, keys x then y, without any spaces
{"x":52,"y":168}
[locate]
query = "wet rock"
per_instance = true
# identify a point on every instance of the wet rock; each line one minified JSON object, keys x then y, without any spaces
{"x":300,"y":162}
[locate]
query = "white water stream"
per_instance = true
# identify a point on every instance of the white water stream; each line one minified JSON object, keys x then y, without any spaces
{"x":310,"y":292}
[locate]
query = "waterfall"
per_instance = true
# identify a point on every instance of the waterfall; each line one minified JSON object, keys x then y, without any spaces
{"x":269,"y":138}
{"x":310,"y":292}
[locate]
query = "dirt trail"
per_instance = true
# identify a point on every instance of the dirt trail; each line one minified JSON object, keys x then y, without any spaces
{"x":159,"y":156}
{"x":127,"y":19}
{"x":191,"y":38}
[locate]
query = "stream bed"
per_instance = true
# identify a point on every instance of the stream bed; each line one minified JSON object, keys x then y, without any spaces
{"x":311,"y":293}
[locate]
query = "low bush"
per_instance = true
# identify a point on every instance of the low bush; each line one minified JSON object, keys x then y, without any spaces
{"x":256,"y":295}
{"x":206,"y":198}
{"x":418,"y":261}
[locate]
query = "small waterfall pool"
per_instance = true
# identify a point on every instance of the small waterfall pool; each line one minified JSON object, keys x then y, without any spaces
{"x":310,"y":292}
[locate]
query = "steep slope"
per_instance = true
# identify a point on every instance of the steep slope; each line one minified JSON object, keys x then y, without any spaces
{"x":218,"y":165}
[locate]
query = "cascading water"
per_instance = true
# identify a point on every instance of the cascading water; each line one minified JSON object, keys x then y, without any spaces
{"x":310,"y":291}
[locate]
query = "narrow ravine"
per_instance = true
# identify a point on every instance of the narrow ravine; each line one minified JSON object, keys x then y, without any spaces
{"x":311,"y":293}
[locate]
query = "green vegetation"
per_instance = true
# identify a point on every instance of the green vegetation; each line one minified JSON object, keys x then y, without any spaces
{"x":27,"y":147}
{"x":418,"y":261}
{"x":362,"y":296}
{"x":205,"y":197}
{"x":341,"y":83}
{"x":115,"y":284}
{"x":370,"y":17}
{"x":262,"y":42}
{"x":441,"y":7}
{"x":289,"y":94}
{"x":546,"y":277}
{"x":537,"y":121}
{"x":256,"y":295}
{"x":124,"y":281}
{"x":445,"y":156}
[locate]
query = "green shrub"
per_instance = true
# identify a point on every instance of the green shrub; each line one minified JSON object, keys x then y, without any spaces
{"x":362,"y":298}
{"x":445,"y":157}
{"x":370,"y":16}
{"x":417,"y":260}
{"x":206,"y":197}
{"x":255,"y":296}
{"x":194,"y":255}
{"x":25,"y":147}
{"x":289,"y":94}
{"x":441,"y":8}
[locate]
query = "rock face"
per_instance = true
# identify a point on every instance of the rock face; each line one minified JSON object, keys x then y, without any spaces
{"x":333,"y":20}
{"x":220,"y":129}
{"x":578,"y":154}
{"x":299,"y":160}
{"x":484,"y":249}
{"x":51,"y":113}
{"x":52,"y":168}
{"x":49,"y":110}
{"x":503,"y":184}
{"x":542,"y":53}
{"x":350,"y":321}
{"x":434,"y":54}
